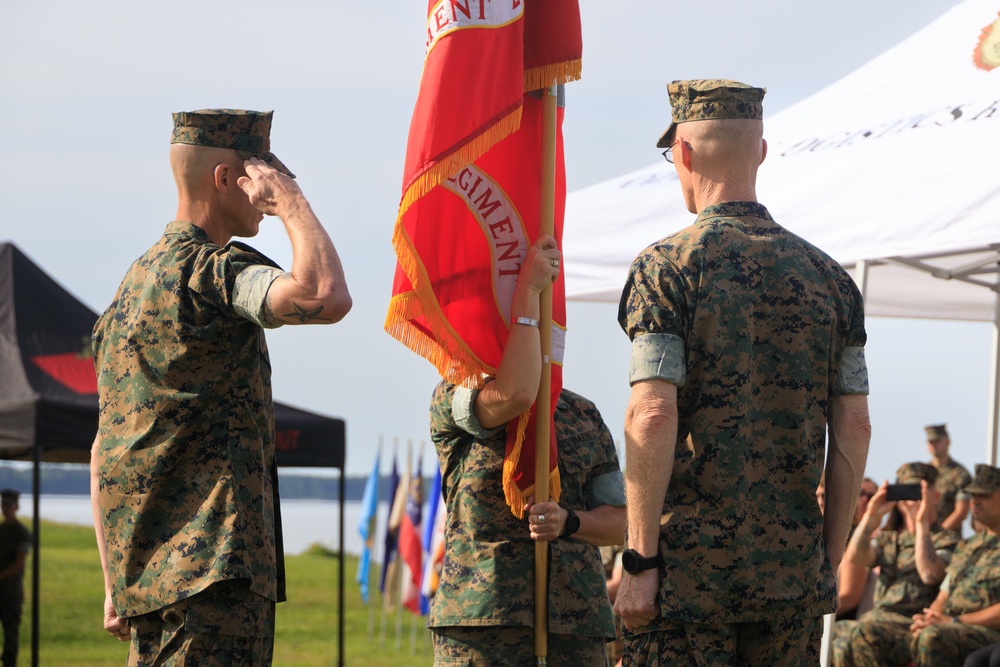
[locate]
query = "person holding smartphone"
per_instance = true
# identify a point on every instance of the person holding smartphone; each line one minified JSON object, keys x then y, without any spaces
{"x":912,"y":553}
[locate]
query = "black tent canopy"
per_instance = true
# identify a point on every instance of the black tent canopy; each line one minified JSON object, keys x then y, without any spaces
{"x":48,"y":389}
{"x":48,"y":392}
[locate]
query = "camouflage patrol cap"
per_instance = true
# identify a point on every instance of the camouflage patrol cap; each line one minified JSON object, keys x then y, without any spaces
{"x":912,"y":473}
{"x":985,"y":481}
{"x":936,"y":432}
{"x":246,"y":132}
{"x":9,"y":496}
{"x":710,"y":99}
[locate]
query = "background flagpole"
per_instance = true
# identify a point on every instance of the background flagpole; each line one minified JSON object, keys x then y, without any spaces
{"x":543,"y":405}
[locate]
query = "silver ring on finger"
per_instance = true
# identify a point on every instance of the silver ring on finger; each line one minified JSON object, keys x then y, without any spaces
{"x":541,"y":518}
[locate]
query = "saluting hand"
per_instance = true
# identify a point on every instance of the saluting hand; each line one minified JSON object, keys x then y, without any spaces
{"x":269,"y":190}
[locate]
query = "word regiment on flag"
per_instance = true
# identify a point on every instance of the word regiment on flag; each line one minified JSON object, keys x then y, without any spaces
{"x":471,"y":195}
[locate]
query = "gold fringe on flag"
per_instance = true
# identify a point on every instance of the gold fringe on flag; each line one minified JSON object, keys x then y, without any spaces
{"x":516,"y":497}
{"x":553,"y":74}
{"x":467,"y":154}
{"x":460,"y":366}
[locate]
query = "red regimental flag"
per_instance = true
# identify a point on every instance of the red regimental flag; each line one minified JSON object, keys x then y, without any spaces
{"x":471,"y":194}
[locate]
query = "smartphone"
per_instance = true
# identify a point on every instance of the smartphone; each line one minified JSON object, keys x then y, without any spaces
{"x":903,"y":492}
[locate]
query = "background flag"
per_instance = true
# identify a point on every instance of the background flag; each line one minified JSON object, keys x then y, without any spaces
{"x":389,"y":544}
{"x":410,"y":547}
{"x":471,"y":194}
{"x":433,"y":544}
{"x":396,"y":513}
{"x":366,"y":526}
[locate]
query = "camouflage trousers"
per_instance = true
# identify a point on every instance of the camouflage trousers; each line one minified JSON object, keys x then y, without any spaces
{"x":513,"y":646}
{"x":223,"y":626}
{"x":949,"y":643}
{"x":785,"y":639}
{"x":878,"y":638}
{"x":882,"y":639}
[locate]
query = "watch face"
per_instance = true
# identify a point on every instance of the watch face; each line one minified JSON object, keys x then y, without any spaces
{"x":630,"y":561}
{"x":633,"y":563}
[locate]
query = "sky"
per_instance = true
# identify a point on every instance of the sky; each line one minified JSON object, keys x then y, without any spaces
{"x":88,"y":89}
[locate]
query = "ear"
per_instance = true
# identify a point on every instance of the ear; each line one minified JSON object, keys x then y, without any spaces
{"x":763,"y":151}
{"x":222,"y":176}
{"x":685,"y":152}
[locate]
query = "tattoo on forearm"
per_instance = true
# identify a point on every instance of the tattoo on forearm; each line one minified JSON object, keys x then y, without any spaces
{"x":305,"y":316}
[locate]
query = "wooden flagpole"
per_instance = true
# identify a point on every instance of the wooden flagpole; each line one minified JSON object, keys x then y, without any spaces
{"x":543,"y":405}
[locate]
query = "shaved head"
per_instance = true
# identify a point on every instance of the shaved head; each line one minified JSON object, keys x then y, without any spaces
{"x":725,"y":152}
{"x":193,"y":167}
{"x":730,"y":140}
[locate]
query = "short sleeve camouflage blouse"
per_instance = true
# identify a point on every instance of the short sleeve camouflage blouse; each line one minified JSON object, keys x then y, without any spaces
{"x":758,"y":329}
{"x":488,"y":573}
{"x":186,"y":456}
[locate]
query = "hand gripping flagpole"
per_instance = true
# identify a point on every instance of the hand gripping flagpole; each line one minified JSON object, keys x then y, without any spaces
{"x":543,"y":404}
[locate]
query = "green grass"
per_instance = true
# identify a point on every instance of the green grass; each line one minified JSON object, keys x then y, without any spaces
{"x":72,"y":597}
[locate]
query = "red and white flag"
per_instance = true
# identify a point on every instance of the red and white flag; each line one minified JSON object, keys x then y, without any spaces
{"x":471,"y":195}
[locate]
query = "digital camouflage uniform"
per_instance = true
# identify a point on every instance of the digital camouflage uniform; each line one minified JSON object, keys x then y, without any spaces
{"x":972,"y":583}
{"x":758,"y":330}
{"x":952,"y":479}
{"x":14,"y":540}
{"x":487,"y":580}
{"x":899,"y":594}
{"x":188,"y":481}
{"x":740,"y":313}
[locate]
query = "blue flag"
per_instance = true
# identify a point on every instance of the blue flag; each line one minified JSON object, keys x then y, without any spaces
{"x":433,"y":500}
{"x":390,"y":536}
{"x":366,"y":526}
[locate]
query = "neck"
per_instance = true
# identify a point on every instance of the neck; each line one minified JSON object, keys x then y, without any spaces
{"x":712,"y":193}
{"x":940,"y":460}
{"x":199,"y":213}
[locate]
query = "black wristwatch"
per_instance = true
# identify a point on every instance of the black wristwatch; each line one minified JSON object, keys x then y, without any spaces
{"x":572,"y":523}
{"x":634,"y":563}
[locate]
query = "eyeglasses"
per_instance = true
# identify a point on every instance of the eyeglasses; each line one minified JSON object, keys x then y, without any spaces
{"x":668,"y":154}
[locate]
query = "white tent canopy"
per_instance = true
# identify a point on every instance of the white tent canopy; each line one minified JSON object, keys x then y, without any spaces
{"x":894,"y":170}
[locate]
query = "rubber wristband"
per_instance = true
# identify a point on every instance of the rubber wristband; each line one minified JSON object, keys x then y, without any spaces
{"x":527,"y":321}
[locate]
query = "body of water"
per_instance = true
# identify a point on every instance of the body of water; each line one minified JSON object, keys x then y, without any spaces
{"x":304,"y":522}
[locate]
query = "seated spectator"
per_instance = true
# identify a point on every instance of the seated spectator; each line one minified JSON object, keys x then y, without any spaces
{"x":966,"y":611}
{"x":853,"y":579}
{"x":911,"y":554}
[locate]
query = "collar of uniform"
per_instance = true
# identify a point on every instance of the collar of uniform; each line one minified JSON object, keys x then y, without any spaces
{"x":182,"y":228}
{"x":735,"y":209}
